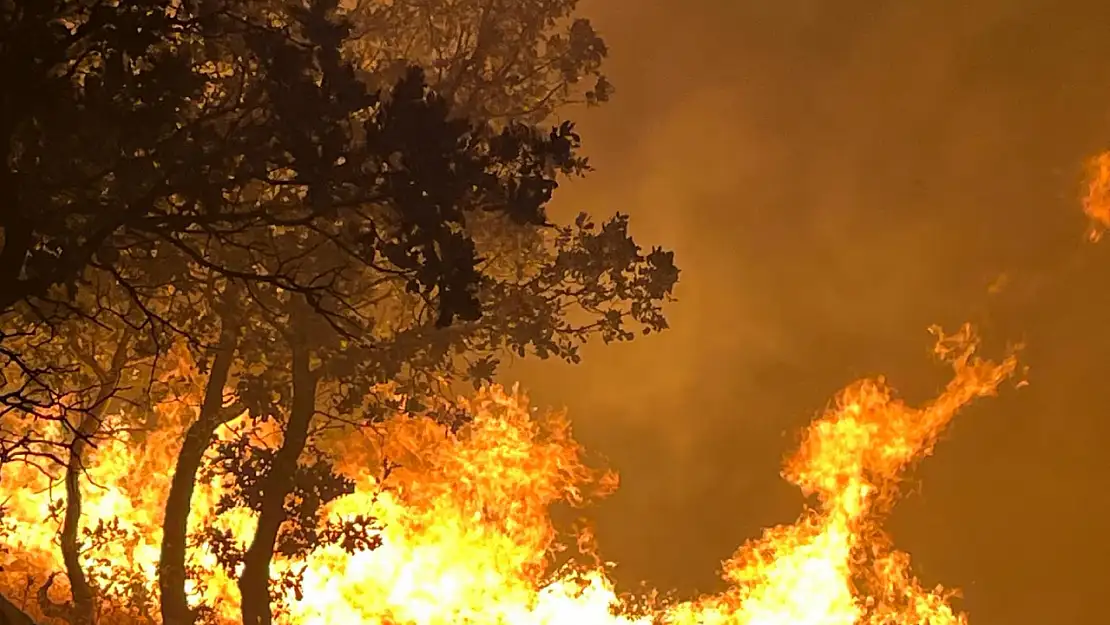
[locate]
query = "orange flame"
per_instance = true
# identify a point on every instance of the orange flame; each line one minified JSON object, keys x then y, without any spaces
{"x":1096,"y":198}
{"x":466,"y":535}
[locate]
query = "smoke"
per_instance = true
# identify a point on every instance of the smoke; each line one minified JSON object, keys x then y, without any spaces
{"x":834,"y":177}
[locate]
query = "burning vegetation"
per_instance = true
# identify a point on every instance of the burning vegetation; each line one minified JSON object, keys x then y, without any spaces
{"x":251,"y":253}
{"x":411,"y":521}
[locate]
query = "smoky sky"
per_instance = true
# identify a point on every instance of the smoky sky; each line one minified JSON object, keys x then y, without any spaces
{"x":834,"y":177}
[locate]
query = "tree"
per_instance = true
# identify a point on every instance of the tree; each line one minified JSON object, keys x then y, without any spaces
{"x":151,"y":99}
{"x":518,"y":194}
{"x":497,"y":60}
{"x":129,"y":130}
{"x":104,"y":368}
{"x":314,"y":237}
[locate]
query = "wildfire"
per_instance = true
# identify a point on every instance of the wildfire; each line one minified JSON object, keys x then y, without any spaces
{"x":1096,"y":198}
{"x":464,"y":530}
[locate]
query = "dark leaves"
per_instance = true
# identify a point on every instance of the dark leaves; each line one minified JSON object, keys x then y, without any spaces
{"x":217,"y":169}
{"x":315,"y":485}
{"x":482,"y":370}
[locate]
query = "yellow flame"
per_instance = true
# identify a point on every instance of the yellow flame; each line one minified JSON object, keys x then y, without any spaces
{"x":466,"y":535}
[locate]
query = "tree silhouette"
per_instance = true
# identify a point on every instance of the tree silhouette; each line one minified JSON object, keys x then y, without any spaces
{"x":498,"y":60}
{"x":312,"y":222}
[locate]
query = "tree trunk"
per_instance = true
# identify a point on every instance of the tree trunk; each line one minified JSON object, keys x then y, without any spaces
{"x":198,"y":437}
{"x":12,"y":615}
{"x":83,"y":610}
{"x":254,"y":583}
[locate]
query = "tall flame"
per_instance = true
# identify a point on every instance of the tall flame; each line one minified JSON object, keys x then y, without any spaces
{"x":465,"y":530}
{"x":835,"y":566}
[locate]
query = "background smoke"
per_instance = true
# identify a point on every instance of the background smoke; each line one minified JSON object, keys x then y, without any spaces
{"x":835,"y":177}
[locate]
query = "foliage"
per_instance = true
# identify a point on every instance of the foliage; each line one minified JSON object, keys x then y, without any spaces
{"x":283,"y":189}
{"x":499,"y":60}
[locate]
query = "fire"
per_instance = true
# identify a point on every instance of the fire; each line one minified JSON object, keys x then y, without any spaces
{"x":834,"y":566}
{"x":1096,"y":198}
{"x":464,"y":528}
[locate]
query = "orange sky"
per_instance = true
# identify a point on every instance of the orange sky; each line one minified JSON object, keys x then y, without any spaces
{"x":835,"y":177}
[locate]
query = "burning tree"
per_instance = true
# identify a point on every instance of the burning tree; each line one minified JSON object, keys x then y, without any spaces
{"x":326,"y":231}
{"x":236,"y":314}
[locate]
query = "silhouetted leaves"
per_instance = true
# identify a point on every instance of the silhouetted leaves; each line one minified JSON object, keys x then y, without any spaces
{"x":501,"y":60}
{"x":199,"y":152}
{"x":192,"y":170}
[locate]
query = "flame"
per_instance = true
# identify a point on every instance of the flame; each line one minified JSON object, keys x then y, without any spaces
{"x":465,"y":529}
{"x":1096,"y":198}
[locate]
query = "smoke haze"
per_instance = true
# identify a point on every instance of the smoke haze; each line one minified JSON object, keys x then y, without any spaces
{"x":835,"y":177}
